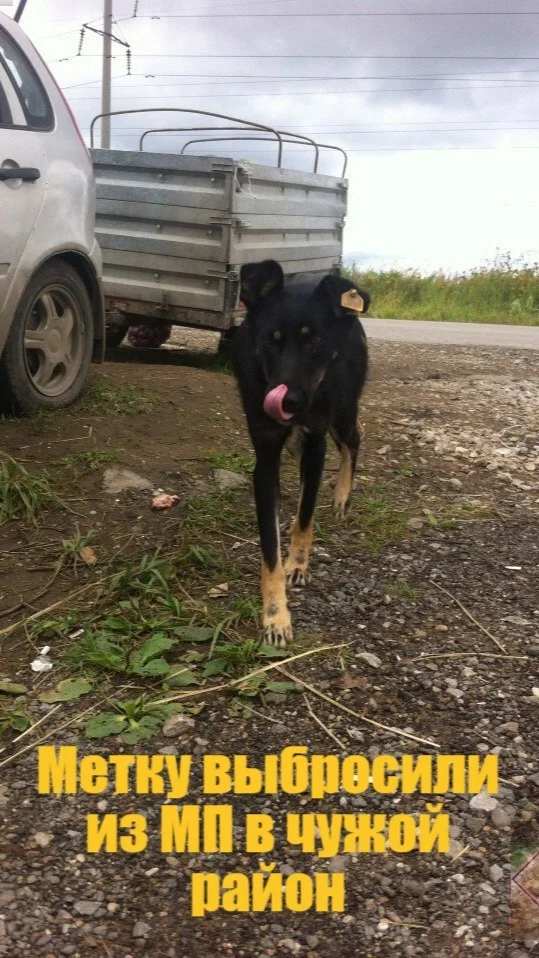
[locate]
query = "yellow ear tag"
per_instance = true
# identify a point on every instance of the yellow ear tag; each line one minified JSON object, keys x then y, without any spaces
{"x":352,"y":300}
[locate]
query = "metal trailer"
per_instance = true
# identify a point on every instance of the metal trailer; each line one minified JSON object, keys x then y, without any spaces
{"x":175,"y":229}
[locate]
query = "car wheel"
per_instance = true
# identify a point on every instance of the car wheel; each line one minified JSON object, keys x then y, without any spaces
{"x":47,"y":356}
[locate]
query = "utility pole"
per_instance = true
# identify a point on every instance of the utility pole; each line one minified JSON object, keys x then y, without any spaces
{"x":20,"y":10}
{"x":106,"y":76}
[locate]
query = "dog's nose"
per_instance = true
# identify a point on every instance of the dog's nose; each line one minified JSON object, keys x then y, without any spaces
{"x":291,"y":402}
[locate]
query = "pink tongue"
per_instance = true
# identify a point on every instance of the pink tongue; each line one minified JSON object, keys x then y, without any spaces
{"x":273,"y":404}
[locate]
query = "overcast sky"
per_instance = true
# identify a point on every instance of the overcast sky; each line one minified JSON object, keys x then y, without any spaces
{"x":443,"y":148}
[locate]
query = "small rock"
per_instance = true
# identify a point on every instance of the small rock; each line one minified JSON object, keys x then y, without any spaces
{"x":509,"y":727}
{"x":413,"y":887}
{"x":312,"y":941}
{"x":43,"y":839}
{"x":496,"y":873}
{"x":227,"y":481}
{"x":178,"y":725}
{"x":371,"y":659}
{"x":86,"y":907}
{"x":415,"y":524}
{"x":484,"y":802}
{"x":455,"y":484}
{"x":118,"y":480}
{"x":500,"y":817}
{"x":293,"y":946}
{"x":141,"y":929}
{"x":338,"y":863}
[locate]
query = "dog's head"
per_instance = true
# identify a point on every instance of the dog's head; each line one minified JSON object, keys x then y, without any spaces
{"x":299,"y":330}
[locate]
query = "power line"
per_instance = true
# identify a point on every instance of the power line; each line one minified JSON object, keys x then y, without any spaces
{"x":309,"y":16}
{"x":309,"y":56}
{"x":351,"y":131}
{"x":262,"y":76}
{"x":255,"y":79}
{"x":410,"y":149}
{"x":467,"y":129}
{"x":242,"y":3}
{"x":296,"y":93}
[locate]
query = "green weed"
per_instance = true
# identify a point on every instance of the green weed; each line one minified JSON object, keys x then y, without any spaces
{"x":232,"y":461}
{"x":506,"y":291}
{"x":24,"y":495}
{"x":377,"y":519}
{"x":106,"y":397}
{"x":93,"y":459}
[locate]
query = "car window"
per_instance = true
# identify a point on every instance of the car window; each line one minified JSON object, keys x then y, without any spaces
{"x":34,"y":100}
{"x":5,"y":112}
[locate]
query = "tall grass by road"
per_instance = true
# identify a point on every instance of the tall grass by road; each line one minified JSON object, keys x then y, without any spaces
{"x":505,"y":292}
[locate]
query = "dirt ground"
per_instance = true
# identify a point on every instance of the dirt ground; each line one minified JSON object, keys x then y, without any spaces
{"x":430,"y":590}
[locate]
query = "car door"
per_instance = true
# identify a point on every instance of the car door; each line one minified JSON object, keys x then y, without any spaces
{"x":21,"y":196}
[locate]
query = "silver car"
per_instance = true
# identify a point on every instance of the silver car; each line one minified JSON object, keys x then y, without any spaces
{"x":51,"y":303}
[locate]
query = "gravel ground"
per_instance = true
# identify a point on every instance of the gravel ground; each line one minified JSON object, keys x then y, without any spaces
{"x":454,"y":433}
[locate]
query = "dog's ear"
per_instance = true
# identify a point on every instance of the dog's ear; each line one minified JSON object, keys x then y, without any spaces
{"x":258,"y":280}
{"x":343,"y":295}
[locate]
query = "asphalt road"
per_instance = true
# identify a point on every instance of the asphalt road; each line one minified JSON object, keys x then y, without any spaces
{"x":452,"y":334}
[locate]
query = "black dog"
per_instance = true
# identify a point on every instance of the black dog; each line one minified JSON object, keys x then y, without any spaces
{"x":300,"y":359}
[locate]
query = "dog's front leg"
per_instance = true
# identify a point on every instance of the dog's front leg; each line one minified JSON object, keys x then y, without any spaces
{"x":312,"y":467}
{"x":275,"y":612}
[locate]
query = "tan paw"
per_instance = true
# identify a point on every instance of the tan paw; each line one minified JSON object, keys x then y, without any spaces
{"x":278,"y":629}
{"x":297,"y":576}
{"x":340,"y":508}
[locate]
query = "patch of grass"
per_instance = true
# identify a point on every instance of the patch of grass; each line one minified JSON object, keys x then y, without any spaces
{"x":24,"y":495}
{"x":202,"y":557}
{"x":448,"y":517}
{"x":41,"y":421}
{"x":407,"y":471}
{"x":506,"y":291}
{"x":209,"y":515}
{"x":232,"y":461}
{"x":248,"y":608}
{"x":520,"y":855}
{"x":377,"y":519}
{"x":112,"y":398}
{"x":94,"y":459}
{"x":403,"y":590}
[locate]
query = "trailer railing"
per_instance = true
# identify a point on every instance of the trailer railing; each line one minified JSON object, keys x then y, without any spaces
{"x":247,"y":126}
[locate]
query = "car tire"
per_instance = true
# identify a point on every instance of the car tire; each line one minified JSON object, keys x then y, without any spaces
{"x":47,"y":356}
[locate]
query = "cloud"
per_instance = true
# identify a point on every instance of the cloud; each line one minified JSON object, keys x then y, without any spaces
{"x":436,"y":177}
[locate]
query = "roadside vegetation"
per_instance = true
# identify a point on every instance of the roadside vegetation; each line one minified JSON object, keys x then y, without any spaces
{"x":507,"y":291}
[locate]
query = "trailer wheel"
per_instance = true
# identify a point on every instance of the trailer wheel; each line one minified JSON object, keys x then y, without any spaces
{"x":117,"y":326}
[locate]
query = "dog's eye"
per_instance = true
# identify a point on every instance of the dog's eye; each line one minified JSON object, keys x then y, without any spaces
{"x":276,"y":336}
